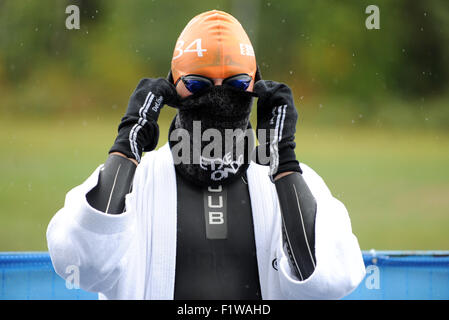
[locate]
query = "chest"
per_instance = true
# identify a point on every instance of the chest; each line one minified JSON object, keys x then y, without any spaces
{"x":216,"y":252}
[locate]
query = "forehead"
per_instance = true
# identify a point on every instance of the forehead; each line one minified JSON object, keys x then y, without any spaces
{"x":215,"y":45}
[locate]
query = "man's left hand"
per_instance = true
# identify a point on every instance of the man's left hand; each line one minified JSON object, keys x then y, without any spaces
{"x":276,"y":112}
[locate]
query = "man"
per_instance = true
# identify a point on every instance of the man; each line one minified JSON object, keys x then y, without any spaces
{"x":197,"y":219}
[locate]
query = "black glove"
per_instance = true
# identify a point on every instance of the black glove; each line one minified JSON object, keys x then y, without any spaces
{"x":276,"y":111}
{"x":138,"y":130}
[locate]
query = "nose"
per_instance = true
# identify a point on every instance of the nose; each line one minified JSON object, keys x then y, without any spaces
{"x":217,"y":82}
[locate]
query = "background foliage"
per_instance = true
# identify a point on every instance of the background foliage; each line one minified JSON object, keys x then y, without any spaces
{"x":373,"y":104}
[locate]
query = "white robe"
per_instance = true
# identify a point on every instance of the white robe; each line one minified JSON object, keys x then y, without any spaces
{"x":133,"y":255}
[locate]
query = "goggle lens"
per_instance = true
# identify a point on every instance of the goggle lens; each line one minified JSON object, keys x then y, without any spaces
{"x":195,"y":83}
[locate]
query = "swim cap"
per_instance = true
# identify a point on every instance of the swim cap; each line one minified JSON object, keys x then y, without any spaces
{"x":213,"y":44}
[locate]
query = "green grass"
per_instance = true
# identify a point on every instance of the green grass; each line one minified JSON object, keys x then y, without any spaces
{"x":395,"y":183}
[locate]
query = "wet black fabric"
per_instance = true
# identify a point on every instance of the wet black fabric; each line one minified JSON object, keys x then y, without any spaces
{"x":215,"y":269}
{"x":276,"y":110}
{"x":138,"y":130}
{"x":224,"y":109}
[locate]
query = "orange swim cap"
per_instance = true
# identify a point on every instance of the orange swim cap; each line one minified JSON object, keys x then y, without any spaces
{"x":213,"y":44}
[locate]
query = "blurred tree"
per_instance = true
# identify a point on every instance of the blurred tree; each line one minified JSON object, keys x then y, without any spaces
{"x":320,"y":48}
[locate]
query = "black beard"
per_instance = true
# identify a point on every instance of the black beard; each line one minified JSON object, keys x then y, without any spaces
{"x":220,"y":108}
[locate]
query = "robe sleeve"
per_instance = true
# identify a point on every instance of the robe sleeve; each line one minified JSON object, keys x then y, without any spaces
{"x":339,"y":262}
{"x":91,"y":243}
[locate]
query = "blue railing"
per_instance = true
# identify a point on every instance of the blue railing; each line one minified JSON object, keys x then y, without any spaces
{"x":390,"y":275}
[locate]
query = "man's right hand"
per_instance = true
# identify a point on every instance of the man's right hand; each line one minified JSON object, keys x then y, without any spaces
{"x":138,"y":130}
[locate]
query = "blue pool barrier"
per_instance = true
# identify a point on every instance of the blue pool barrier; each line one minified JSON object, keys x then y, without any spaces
{"x":390,"y":275}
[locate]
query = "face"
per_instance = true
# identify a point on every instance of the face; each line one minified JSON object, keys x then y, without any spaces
{"x":183,"y":92}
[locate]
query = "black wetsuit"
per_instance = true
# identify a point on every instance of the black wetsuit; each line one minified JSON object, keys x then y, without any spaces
{"x":216,"y":252}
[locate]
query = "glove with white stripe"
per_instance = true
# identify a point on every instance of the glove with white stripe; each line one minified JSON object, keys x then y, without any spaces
{"x":276,"y":114}
{"x":138,"y":130}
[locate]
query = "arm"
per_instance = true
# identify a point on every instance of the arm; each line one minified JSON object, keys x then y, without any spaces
{"x":276,"y":112}
{"x":298,"y":210}
{"x":95,"y":228}
{"x":114,"y":183}
{"x":320,"y":257}
{"x":138,"y":132}
{"x":339,"y":262}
